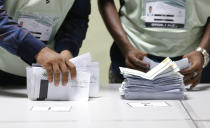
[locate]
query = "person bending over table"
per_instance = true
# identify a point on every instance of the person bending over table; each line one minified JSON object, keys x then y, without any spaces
{"x":158,"y":29}
{"x":31,"y":29}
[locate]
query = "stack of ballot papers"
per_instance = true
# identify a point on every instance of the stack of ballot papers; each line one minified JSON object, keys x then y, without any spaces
{"x":86,"y":84}
{"x":162,"y":82}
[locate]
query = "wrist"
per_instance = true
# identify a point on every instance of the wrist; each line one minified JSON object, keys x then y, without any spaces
{"x":37,"y":56}
{"x":205,"y":55}
{"x":125,"y":48}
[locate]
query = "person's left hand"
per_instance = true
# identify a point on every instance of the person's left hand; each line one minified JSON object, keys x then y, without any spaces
{"x":192,"y":75}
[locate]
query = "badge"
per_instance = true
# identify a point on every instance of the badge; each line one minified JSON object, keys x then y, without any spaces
{"x":40,"y":27}
{"x":165,"y":13}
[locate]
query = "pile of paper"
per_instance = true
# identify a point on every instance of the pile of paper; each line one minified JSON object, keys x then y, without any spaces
{"x":162,"y":82}
{"x":86,"y":84}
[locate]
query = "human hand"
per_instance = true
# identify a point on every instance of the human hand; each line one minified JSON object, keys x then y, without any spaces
{"x":53,"y":63}
{"x":133,"y":59}
{"x":192,"y":75}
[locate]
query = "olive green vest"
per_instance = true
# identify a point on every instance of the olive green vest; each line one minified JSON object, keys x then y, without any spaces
{"x":49,"y":12}
{"x":160,"y":41}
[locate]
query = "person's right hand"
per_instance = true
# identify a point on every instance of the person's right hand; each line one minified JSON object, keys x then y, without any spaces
{"x":54,"y":63}
{"x":133,"y":59}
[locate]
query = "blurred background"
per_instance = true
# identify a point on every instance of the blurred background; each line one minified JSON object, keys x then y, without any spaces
{"x":98,"y":42}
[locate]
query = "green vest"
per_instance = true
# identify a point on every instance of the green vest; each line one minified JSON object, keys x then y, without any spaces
{"x":165,"y":41}
{"x":50,"y":14}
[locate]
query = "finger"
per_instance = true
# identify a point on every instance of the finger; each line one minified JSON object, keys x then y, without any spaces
{"x":188,"y":82}
{"x":49,"y":71}
{"x":65,"y":73}
{"x":132,"y":66}
{"x":138,"y":63}
{"x":195,"y":83}
{"x":142,"y":64}
{"x":192,"y":80}
{"x":56,"y":73}
{"x":141,"y":55}
{"x":199,"y":71}
{"x":188,"y":76}
{"x":72,"y":70}
{"x":194,"y":74}
{"x":129,"y":64}
{"x":189,"y":70}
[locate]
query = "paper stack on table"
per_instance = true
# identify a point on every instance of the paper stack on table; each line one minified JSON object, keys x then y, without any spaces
{"x":162,"y":82}
{"x":86,"y":84}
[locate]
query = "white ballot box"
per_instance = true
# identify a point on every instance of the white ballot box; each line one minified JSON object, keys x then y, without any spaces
{"x":86,"y":84}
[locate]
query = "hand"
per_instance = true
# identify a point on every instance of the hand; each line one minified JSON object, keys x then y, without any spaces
{"x":133,"y":59}
{"x":192,"y":75}
{"x":53,"y":63}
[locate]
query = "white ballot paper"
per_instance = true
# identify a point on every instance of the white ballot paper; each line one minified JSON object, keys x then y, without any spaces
{"x":148,"y":104}
{"x":86,"y":84}
{"x":51,"y":108}
{"x":83,"y":62}
{"x":162,"y":82}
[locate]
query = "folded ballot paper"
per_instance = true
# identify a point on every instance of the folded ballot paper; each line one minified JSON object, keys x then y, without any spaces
{"x":162,"y":82}
{"x":86,"y":84}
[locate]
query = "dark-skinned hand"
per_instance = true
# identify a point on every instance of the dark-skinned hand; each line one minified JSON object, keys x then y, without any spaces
{"x":133,"y":60}
{"x":192,"y":75}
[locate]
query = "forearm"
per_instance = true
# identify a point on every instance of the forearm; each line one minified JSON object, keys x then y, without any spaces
{"x":73,"y":30}
{"x":205,"y":42}
{"x":17,"y":40}
{"x":71,"y":39}
{"x":112,"y":21}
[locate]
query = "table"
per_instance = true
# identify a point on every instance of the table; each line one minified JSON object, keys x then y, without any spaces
{"x":109,"y":110}
{"x":198,"y":105}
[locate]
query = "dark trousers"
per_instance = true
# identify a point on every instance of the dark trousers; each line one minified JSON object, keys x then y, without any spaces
{"x":10,"y":79}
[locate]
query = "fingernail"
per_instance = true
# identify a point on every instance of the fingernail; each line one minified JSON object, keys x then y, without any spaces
{"x":73,"y":78}
{"x":64,"y":84}
{"x":191,"y":88}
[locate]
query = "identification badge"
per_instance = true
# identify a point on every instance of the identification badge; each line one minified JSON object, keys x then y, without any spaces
{"x":165,"y":13}
{"x":40,"y":27}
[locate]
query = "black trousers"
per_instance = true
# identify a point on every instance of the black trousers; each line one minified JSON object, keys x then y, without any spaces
{"x":10,"y":79}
